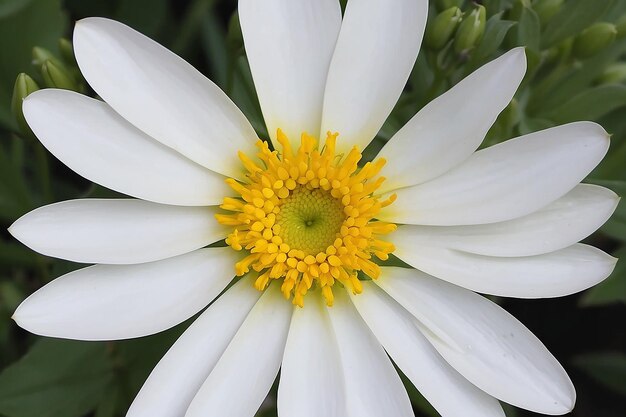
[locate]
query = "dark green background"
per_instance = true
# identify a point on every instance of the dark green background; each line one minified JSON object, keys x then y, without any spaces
{"x":54,"y":378}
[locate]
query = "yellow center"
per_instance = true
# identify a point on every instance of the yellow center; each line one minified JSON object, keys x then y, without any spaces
{"x":307,"y":217}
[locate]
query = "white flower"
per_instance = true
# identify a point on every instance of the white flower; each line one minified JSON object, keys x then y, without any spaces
{"x":502,"y":221}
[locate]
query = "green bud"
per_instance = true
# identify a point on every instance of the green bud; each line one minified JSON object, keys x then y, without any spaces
{"x":546,"y":9}
{"x":471,"y":30}
{"x":446,"y":4}
{"x":614,"y":74}
{"x":67,"y":51}
{"x":442,"y":28}
{"x":621,"y":26}
{"x":24,"y":85}
{"x":57,"y":76}
{"x":594,"y":39}
{"x":41,"y":55}
{"x":515,"y":12}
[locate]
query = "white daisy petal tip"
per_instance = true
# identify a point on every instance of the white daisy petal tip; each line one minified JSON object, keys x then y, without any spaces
{"x":26,"y":316}
{"x":428,"y":146}
{"x":20,"y":231}
{"x":115,"y":302}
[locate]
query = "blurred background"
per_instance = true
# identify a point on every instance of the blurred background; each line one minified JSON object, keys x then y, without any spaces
{"x":576,"y":51}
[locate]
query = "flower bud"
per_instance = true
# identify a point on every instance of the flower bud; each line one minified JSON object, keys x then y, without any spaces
{"x":471,"y":30}
{"x":440,"y":31}
{"x":67,"y":52}
{"x":546,"y":9}
{"x":515,"y":12}
{"x":594,"y":39}
{"x":614,"y":74}
{"x":24,"y":85}
{"x":41,"y":55}
{"x":56,"y":75}
{"x":446,"y":4}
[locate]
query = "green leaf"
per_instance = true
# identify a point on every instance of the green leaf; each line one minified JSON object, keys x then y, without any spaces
{"x":530,"y":125}
{"x":591,"y":104}
{"x":611,"y":290}
{"x":39,"y":22}
{"x":576,"y":79}
{"x":574,"y":16}
{"x":56,"y":378}
{"x":608,"y":368}
{"x":529,"y":29}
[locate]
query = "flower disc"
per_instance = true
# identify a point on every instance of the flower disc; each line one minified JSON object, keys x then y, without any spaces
{"x":308,"y":217}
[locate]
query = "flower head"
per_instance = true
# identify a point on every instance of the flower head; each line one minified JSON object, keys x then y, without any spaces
{"x":307,"y":221}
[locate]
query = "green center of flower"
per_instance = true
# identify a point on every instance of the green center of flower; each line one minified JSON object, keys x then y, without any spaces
{"x":310,"y":220}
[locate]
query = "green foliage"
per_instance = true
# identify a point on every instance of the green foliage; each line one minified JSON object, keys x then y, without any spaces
{"x":38,"y":22}
{"x":57,"y":378}
{"x":590,"y":104}
{"x":50,"y":378}
{"x":607,"y":368}
{"x":572,"y":18}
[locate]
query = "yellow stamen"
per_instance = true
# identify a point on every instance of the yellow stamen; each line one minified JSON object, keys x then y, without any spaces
{"x":307,"y":217}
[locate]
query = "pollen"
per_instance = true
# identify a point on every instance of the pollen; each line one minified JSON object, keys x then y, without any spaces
{"x":307,"y":217}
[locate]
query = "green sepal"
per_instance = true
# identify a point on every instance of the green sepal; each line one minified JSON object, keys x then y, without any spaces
{"x":471,"y":30}
{"x":67,"y":52}
{"x":41,"y":55}
{"x":55,"y":75}
{"x":442,"y":28}
{"x":24,"y":85}
{"x":446,"y":4}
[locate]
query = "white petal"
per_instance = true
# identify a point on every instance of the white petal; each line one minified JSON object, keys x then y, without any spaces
{"x":376,"y":49}
{"x":555,"y":274}
{"x":162,"y":95}
{"x":505,"y":181}
{"x":108,"y":302}
{"x":95,"y":142}
{"x":244,"y":374}
{"x":116,"y":231}
{"x":176,"y":379}
{"x":373,"y":388}
{"x":447,"y":130}
{"x":483,"y":342}
{"x":311,"y":382}
{"x":562,"y":223}
{"x":410,"y":350}
{"x":289,"y":44}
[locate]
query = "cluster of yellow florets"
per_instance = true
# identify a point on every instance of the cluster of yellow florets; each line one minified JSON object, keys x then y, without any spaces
{"x":306,"y":218}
